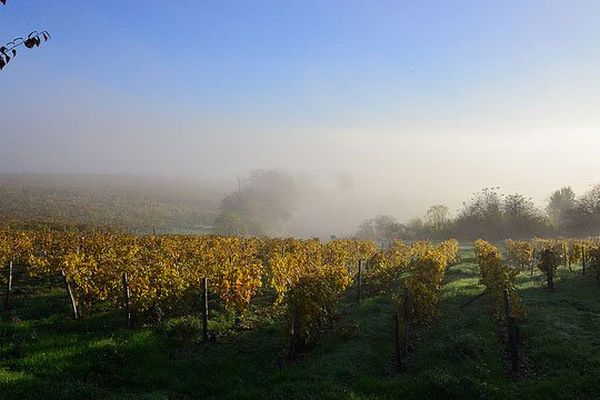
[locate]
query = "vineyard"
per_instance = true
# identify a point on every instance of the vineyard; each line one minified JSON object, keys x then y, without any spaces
{"x":214,"y":316}
{"x":155,"y":277}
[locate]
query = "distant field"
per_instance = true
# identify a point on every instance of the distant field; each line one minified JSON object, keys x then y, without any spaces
{"x":126,"y":202}
{"x":459,"y":354}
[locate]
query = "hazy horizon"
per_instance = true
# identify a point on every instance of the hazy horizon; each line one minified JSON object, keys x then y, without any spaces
{"x":386,"y":108}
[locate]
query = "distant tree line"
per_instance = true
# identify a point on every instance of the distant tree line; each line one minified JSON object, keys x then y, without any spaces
{"x":493,"y":215}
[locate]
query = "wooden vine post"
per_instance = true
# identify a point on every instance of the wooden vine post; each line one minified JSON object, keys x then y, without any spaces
{"x":550,"y":278}
{"x":359,"y":281}
{"x":532,"y":261}
{"x":401,"y":335}
{"x":406,"y":317}
{"x":7,"y":299}
{"x":397,"y":340}
{"x":76,"y":313}
{"x":511,"y":331}
{"x":583,"y":259}
{"x":295,"y":337}
{"x":205,"y":309}
{"x":127,"y":300}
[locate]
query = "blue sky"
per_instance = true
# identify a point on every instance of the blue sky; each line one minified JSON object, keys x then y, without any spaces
{"x":314,"y":61}
{"x":214,"y":88}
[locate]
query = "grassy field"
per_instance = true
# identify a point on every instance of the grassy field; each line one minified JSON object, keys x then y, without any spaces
{"x":459,"y":354}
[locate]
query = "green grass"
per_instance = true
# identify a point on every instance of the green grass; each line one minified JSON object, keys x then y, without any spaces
{"x":459,"y":354}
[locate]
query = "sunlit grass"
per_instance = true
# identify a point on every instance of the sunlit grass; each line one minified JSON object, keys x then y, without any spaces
{"x":458,"y":354}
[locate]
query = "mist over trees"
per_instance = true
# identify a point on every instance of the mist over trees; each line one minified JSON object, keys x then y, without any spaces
{"x":261,"y":205}
{"x":273,"y":203}
{"x":492,"y":215}
{"x":382,"y":227}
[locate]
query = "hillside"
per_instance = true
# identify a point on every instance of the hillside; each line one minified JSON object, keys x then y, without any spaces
{"x":128,"y":202}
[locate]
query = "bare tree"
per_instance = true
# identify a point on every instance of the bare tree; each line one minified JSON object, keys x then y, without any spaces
{"x":438,"y":216}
